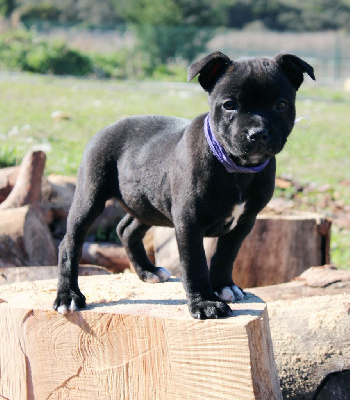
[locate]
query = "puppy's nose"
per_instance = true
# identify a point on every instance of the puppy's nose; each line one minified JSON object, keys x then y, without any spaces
{"x":258,"y":134}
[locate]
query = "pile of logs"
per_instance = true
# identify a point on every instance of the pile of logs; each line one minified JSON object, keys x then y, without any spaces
{"x":33,"y":215}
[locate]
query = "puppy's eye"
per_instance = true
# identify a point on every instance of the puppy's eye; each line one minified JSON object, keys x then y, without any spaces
{"x":281,"y":105}
{"x":230,"y":105}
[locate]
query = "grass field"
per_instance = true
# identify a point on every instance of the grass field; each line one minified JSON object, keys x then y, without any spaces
{"x":317,"y":152}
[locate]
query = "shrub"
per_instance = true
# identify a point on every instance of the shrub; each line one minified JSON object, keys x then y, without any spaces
{"x":23,"y":51}
{"x":9,"y":155}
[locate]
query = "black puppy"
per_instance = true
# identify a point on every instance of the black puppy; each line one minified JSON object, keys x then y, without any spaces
{"x":206,"y":177}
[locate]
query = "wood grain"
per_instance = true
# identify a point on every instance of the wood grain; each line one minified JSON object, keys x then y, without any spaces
{"x":20,"y":274}
{"x":134,"y":341}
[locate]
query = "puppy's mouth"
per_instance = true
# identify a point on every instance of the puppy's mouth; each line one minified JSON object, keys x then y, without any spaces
{"x":251,"y":160}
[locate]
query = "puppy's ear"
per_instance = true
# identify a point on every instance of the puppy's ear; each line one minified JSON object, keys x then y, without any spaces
{"x":294,"y":68}
{"x":210,"y":69}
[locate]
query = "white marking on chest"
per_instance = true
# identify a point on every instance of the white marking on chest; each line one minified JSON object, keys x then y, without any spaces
{"x":236,"y":214}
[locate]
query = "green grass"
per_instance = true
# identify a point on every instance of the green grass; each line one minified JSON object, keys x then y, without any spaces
{"x":27,"y":104}
{"x":317,"y":152}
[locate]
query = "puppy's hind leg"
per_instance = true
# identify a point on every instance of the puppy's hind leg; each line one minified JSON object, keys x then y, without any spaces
{"x":131,"y":232}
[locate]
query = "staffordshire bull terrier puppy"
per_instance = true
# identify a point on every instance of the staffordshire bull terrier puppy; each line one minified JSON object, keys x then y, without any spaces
{"x":208,"y":177}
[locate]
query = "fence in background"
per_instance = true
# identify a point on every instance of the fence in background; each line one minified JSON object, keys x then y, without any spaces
{"x":328,"y":52}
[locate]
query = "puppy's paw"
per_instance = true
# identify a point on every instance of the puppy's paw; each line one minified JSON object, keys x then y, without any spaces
{"x":160,"y":275}
{"x":231,"y":293}
{"x":71,"y":301}
{"x":205,"y":309}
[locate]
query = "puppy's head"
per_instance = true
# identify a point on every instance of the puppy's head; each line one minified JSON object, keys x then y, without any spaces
{"x":252,"y":102}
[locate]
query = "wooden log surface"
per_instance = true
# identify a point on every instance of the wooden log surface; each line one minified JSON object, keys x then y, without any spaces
{"x":279,"y":248}
{"x":25,"y":238}
{"x":134,"y":341}
{"x":27,"y":188}
{"x":21,"y":274}
{"x":315,"y":281}
{"x":310,"y":325}
{"x":311,"y":339}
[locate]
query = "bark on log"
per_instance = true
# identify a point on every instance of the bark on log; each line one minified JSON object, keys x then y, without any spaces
{"x":278,"y":249}
{"x":21,"y":274}
{"x":25,"y":238}
{"x":131,"y":343}
{"x":27,"y":188}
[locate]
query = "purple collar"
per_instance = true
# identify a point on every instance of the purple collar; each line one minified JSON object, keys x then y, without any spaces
{"x":220,"y":153}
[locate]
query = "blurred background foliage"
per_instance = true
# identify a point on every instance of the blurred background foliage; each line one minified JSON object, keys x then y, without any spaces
{"x":163,"y":31}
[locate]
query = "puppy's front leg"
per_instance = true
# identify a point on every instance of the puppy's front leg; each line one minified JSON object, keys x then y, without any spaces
{"x":203,"y":303}
{"x":221,"y":264}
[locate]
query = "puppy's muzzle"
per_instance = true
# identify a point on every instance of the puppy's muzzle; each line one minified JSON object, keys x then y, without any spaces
{"x":257,"y":135}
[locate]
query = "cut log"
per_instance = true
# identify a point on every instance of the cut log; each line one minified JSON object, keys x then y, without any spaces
{"x":25,"y":238}
{"x":315,"y":281}
{"x":310,"y":325}
{"x":8,"y":177}
{"x":113,"y":256}
{"x":108,"y":255}
{"x":21,"y":274}
{"x":311,"y":340}
{"x":135,"y":341}
{"x":58,"y":194}
{"x":27,"y":188}
{"x":278,"y":249}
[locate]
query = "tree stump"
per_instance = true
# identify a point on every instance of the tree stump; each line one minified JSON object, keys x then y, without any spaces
{"x":134,"y":341}
{"x":279,"y":248}
{"x":25,"y":238}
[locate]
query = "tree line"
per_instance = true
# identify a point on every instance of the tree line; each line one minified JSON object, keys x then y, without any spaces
{"x":280,"y":15}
